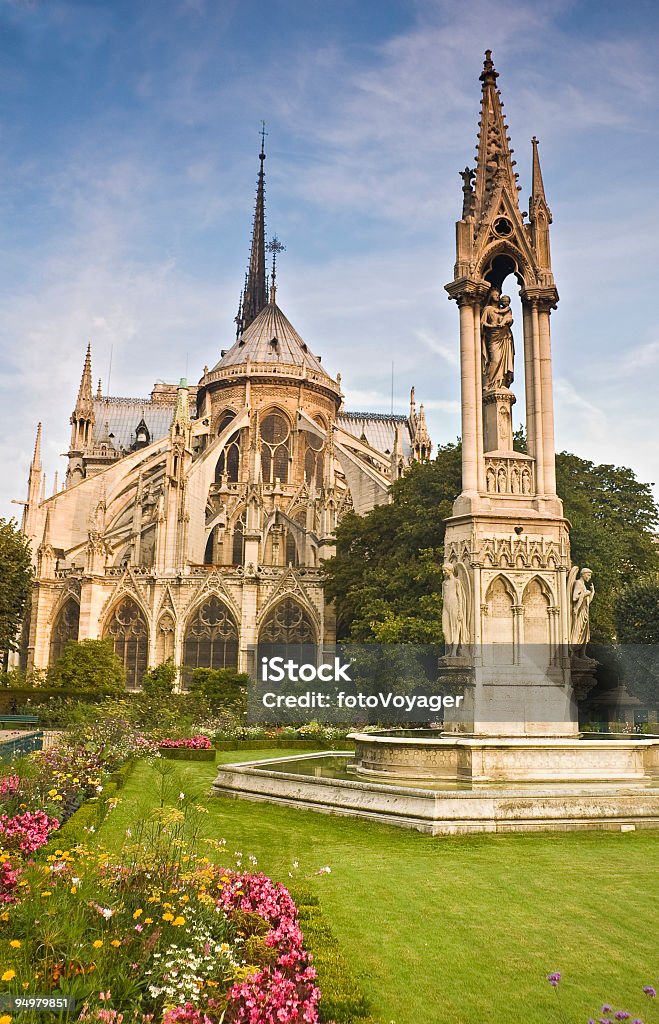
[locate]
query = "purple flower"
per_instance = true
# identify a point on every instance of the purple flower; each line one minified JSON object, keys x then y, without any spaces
{"x":649,"y":991}
{"x":554,"y":978}
{"x":622,"y":1015}
{"x":607,"y":1009}
{"x":637,"y":1021}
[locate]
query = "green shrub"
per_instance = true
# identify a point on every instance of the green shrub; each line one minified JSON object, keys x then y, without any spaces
{"x":342,"y":1001}
{"x":159,"y":681}
{"x":88,"y":666}
{"x":225,"y":685}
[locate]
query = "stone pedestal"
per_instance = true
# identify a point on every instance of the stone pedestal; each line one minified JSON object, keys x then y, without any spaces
{"x":497,"y":420}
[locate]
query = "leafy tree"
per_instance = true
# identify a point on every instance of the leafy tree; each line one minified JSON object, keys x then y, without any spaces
{"x":222,"y":685}
{"x":613,"y":519}
{"x":159,"y":681}
{"x":15,"y":584}
{"x":636,"y":611}
{"x":386,"y":576}
{"x":90,"y":666}
{"x":387,"y":573}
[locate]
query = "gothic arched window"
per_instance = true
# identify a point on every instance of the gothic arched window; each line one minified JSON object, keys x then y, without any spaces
{"x":275,"y":448}
{"x":238,"y":543}
{"x":211,"y":637}
{"x":313,"y":459}
{"x":288,"y":623}
{"x":291,"y":549}
{"x":65,"y":628}
{"x":128,"y":630}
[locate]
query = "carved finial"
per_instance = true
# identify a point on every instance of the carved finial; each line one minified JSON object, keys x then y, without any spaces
{"x":489,"y":73}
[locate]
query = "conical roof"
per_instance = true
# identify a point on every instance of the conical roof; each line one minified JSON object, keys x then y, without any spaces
{"x":271,"y":338}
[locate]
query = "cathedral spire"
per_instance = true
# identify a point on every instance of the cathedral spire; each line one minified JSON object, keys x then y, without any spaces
{"x":82,"y":421}
{"x":36,"y":458}
{"x":255,"y":295}
{"x":84,"y":404}
{"x":494,"y":163}
{"x":540,"y":218}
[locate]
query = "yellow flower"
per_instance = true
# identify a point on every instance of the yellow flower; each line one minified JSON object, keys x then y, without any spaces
{"x":74,"y":889}
{"x":148,"y":920}
{"x":46,"y":892}
{"x":5,"y":1019}
{"x":97,"y":943}
{"x":168,"y":917}
{"x":178,"y":920}
{"x":8,"y":975}
{"x":115,"y":943}
{"x":138,"y":913}
{"x":15,"y":943}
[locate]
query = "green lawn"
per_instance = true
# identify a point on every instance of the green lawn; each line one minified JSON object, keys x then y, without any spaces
{"x":462,"y":929}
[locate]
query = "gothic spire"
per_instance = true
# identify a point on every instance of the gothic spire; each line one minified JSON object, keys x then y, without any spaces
{"x":494,"y":163}
{"x":84,"y":405}
{"x":36,"y":458}
{"x":539,"y":216}
{"x":538,"y":199}
{"x":255,"y":295}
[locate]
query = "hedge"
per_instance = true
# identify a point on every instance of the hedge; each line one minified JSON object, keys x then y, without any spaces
{"x":277,"y":742}
{"x":342,"y":1000}
{"x":90,"y":814}
{"x":187,"y":754}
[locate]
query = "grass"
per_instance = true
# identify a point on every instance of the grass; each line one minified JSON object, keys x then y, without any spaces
{"x":460,"y":929}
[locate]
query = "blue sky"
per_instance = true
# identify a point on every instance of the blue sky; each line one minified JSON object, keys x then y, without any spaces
{"x":128,"y":160}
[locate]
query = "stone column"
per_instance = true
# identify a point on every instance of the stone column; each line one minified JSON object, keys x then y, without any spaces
{"x":468,"y":399}
{"x":478,"y":383}
{"x":547,"y":402}
{"x":532,"y":440}
{"x":538,"y":397}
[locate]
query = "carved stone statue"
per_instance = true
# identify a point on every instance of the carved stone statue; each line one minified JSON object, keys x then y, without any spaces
{"x":454,"y":611}
{"x":582,"y":593}
{"x":498,"y":347}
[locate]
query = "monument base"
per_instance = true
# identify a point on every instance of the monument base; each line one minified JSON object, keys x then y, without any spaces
{"x":503,"y":759}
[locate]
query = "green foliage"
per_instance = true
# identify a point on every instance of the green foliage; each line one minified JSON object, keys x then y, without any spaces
{"x":613,"y":519}
{"x":342,"y":998}
{"x":15,"y":584}
{"x":220,"y":685}
{"x":159,"y":681}
{"x":636,"y":612}
{"x":88,"y":666}
{"x":386,"y":576}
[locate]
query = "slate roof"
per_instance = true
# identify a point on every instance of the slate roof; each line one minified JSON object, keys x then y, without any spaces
{"x":257,"y":343}
{"x":378,"y":428}
{"x":123,"y":415}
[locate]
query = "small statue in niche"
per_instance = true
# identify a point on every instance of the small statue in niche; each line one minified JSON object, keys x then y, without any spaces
{"x":581,"y":592}
{"x":498,"y":347}
{"x":454,"y":612}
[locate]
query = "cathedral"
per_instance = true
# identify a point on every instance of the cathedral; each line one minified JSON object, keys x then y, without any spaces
{"x":193,"y":524}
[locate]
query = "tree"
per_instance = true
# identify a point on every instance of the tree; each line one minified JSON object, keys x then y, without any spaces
{"x":386,"y":576}
{"x":613,"y":519}
{"x":221,"y":685}
{"x":159,"y":681}
{"x":15,"y":585}
{"x":636,"y":612}
{"x":88,"y":666}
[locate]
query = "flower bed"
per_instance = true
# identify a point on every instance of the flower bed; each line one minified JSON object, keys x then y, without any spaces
{"x":194,"y":748}
{"x":191,"y":743}
{"x":178,"y":940}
